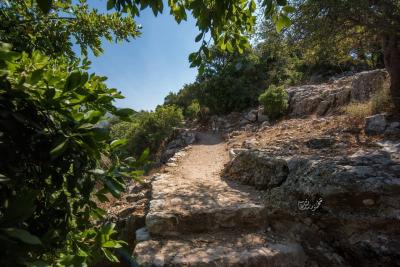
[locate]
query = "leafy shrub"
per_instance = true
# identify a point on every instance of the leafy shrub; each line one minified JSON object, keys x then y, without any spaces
{"x":193,"y":111}
{"x":51,"y":148}
{"x":148,"y":129}
{"x":229,"y":83}
{"x":275,"y":101}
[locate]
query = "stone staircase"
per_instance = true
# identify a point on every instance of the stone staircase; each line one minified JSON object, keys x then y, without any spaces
{"x":198,"y":219}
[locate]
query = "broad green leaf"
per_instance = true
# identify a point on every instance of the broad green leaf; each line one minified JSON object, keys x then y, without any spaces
{"x":192,"y":57}
{"x":283,"y":21}
{"x":111,"y":257}
{"x":144,"y":157}
{"x":92,"y":116}
{"x":108,"y":229}
{"x":198,"y":37}
{"x":23,"y":236}
{"x":253,"y":5}
{"x":39,"y":59}
{"x":84,"y":78}
{"x":73,"y":81}
{"x":229,"y":47}
{"x":269,"y":7}
{"x":111,"y":244}
{"x":98,"y":213}
{"x":81,"y":252}
{"x":112,"y":188}
{"x":118,"y":143}
{"x":59,"y":149}
{"x":103,"y":198}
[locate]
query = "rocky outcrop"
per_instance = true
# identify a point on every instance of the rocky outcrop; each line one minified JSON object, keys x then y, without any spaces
{"x":324,"y":99}
{"x":343,"y":210}
{"x":254,"y":167}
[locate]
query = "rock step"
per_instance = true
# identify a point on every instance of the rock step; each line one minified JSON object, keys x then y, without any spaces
{"x":182,"y":205}
{"x":240,"y":216}
{"x":219,"y":249}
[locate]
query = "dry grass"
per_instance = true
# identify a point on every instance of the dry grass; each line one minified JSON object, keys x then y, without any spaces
{"x":357,"y":111}
{"x":379,"y":103}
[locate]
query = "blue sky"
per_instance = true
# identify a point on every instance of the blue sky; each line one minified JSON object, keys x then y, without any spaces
{"x":149,"y":67}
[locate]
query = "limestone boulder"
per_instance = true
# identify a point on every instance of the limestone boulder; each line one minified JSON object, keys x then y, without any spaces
{"x":255,"y":167}
{"x":324,"y":99}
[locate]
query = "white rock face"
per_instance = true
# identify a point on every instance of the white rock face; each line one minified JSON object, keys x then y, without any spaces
{"x":323,"y":99}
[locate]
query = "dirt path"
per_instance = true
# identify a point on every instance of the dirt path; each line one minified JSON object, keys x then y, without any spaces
{"x":197,"y":186}
{"x":205,"y":160}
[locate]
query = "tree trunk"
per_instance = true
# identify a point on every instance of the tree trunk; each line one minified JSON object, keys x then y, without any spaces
{"x":391,"y":49}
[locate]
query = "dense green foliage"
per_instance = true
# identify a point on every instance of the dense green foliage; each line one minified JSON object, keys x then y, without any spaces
{"x":275,"y":101}
{"x":148,"y":129}
{"x":52,"y":111}
{"x":229,"y":83}
{"x":27,"y":28}
{"x":50,"y":162}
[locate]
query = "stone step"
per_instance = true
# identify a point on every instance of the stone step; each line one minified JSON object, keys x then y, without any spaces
{"x":240,"y":216}
{"x":220,"y":249}
{"x":181,"y":205}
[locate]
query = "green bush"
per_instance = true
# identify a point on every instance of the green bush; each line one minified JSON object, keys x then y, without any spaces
{"x":229,"y":83}
{"x":51,"y":176}
{"x":275,"y":101}
{"x":193,"y":111}
{"x":148,"y":129}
